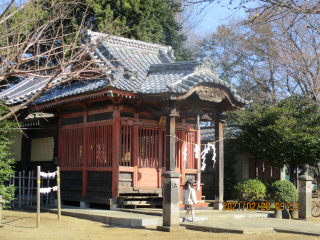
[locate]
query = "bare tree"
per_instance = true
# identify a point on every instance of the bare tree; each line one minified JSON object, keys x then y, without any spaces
{"x":190,"y":18}
{"x":36,"y":44}
{"x":305,"y":11}
{"x":295,"y":52}
{"x":243,"y":57}
{"x":303,"y":7}
{"x":266,"y":61}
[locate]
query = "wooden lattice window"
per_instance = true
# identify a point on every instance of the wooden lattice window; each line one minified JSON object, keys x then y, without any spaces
{"x":191,"y":138}
{"x":71,"y":147}
{"x":100,"y":145}
{"x":126,"y":156}
{"x":148,"y":147}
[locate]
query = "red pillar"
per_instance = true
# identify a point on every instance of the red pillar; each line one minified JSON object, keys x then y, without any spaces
{"x":116,"y":148}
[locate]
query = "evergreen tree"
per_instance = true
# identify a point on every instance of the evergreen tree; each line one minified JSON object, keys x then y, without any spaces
{"x":145,"y":20}
{"x":6,"y":163}
{"x":286,"y":133}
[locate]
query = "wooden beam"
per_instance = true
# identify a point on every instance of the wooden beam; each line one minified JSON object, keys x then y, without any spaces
{"x":191,"y":113}
{"x":93,"y":96}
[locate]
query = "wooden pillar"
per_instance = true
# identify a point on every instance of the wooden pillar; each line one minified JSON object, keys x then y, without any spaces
{"x":219,"y":164}
{"x":160,"y":156}
{"x":116,"y":147}
{"x":170,"y":143}
{"x":183,"y":171}
{"x":38,"y":195}
{"x":85,"y":155}
{"x":59,"y":193}
{"x":59,"y":142}
{"x":135,"y":154}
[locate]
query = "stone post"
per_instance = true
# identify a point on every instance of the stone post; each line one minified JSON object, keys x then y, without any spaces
{"x":283,"y":173}
{"x":171,"y":183}
{"x":219,"y":164}
{"x":305,"y":194}
{"x":1,"y":204}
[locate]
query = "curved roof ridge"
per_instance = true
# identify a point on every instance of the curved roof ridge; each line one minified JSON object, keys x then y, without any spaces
{"x":116,"y":40}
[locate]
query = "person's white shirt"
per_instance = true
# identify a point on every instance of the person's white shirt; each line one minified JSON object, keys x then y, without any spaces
{"x":189,"y":196}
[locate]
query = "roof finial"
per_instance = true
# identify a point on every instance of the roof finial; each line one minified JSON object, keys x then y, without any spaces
{"x":208,"y":63}
{"x":170,"y":53}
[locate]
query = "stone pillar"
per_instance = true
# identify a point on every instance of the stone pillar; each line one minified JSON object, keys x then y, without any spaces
{"x":171,"y":183}
{"x":219,"y":164}
{"x":305,"y":194}
{"x":84,"y":205}
{"x":283,"y":173}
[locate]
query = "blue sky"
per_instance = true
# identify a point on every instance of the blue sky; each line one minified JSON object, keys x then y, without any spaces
{"x":218,"y":14}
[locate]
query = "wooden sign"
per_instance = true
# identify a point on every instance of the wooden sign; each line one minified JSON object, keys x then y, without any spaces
{"x":162,"y":121}
{"x":209,"y":94}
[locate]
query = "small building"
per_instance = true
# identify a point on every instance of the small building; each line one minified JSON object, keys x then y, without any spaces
{"x":109,"y":135}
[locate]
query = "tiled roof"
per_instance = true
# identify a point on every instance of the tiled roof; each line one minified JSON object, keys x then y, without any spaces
{"x":160,"y":82}
{"x":78,"y":87}
{"x":133,"y":66}
{"x":208,"y":133}
{"x":129,"y":62}
{"x":23,"y":90}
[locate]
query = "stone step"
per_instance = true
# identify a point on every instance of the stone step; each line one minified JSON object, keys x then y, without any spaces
{"x":142,"y":203}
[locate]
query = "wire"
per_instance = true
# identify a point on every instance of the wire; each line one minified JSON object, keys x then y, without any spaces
{"x":191,"y":142}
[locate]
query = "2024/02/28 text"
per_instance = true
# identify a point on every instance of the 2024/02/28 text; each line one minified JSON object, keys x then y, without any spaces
{"x":262,"y":206}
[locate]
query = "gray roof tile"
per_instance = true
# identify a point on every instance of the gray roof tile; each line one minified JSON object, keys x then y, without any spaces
{"x":156,"y":72}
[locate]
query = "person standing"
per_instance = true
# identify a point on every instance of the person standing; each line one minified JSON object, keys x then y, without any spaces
{"x":189,"y":199}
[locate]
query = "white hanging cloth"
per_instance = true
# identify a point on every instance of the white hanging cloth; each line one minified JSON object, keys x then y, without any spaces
{"x":48,"y":175}
{"x":43,"y":174}
{"x":196,"y":150}
{"x":55,"y":188}
{"x":52,"y":175}
{"x":205,"y":152}
{"x":185,"y":155}
{"x":203,"y":167}
{"x":213,"y":147}
{"x":45,"y":190}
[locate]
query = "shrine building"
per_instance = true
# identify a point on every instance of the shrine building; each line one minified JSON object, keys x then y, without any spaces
{"x":110,"y":136}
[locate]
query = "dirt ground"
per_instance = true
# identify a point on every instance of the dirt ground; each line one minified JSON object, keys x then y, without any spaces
{"x":22,"y":225}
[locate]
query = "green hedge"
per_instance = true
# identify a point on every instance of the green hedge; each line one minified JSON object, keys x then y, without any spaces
{"x":249,"y":190}
{"x":282,"y":191}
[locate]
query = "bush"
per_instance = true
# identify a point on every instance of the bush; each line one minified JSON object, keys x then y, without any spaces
{"x":249,"y":190}
{"x":282,"y":191}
